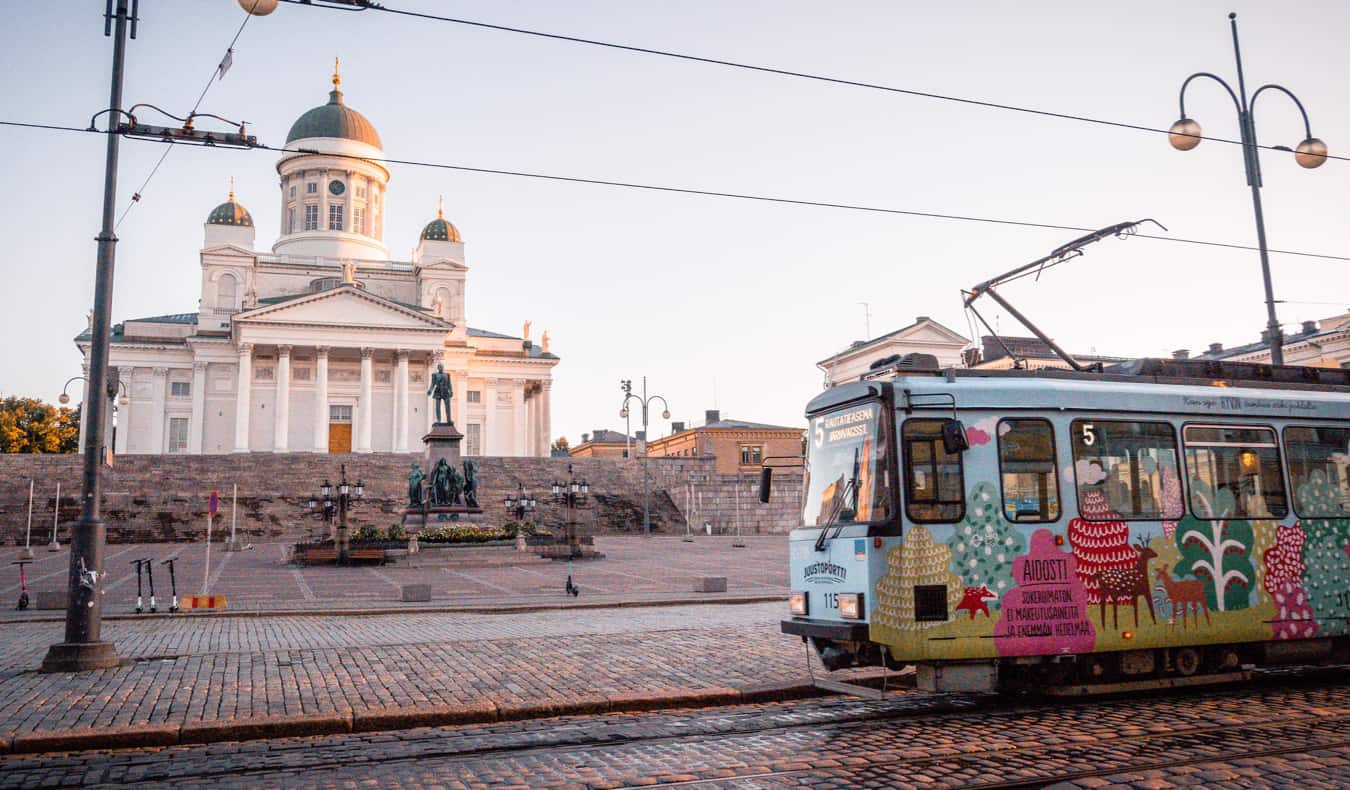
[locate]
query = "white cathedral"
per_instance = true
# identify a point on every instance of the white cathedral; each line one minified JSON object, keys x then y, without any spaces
{"x":325,"y":344}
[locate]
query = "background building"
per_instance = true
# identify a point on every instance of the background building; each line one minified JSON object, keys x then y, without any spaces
{"x":605,"y":443}
{"x":325,"y":344}
{"x":1323,"y":344}
{"x":924,"y":336}
{"x":737,"y":445}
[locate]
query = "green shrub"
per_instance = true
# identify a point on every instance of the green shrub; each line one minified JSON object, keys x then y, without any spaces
{"x":396,"y":532}
{"x":366,"y":533}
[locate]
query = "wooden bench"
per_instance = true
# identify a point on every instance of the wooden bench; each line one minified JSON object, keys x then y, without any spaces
{"x":366,"y":555}
{"x":304,"y":556}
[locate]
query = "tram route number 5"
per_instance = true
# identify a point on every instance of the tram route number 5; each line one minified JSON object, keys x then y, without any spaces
{"x":1089,"y":434}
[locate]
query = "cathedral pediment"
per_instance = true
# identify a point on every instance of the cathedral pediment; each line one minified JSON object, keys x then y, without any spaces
{"x":342,"y":306}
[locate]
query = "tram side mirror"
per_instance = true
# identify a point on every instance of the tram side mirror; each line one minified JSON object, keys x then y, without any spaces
{"x":765,"y":483}
{"x":954,"y":437}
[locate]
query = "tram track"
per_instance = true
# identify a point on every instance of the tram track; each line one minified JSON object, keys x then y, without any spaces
{"x":1033,"y":754}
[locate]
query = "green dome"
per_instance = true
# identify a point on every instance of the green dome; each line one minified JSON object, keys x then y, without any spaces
{"x":441,"y":229}
{"x":334,"y":119}
{"x":230,"y":213}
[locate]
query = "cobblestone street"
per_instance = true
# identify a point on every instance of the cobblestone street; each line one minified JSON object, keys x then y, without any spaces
{"x":259,"y":580}
{"x":1282,"y":730}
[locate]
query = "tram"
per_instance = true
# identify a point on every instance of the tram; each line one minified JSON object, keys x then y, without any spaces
{"x":1154,"y":523}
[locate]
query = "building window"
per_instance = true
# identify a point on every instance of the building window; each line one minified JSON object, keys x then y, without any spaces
{"x":292,"y":190}
{"x":227,"y":292}
{"x":358,"y":220}
{"x":178,"y":434}
{"x":335,"y":216}
{"x":1026,"y":459}
{"x":311,"y":217}
{"x":1234,"y":472}
{"x":1126,"y":471}
{"x":751,"y":454}
{"x":473,"y":439}
{"x":339,"y":413}
{"x":361,"y":191}
{"x":180,"y":389}
{"x":475,"y":396}
{"x":311,"y":188}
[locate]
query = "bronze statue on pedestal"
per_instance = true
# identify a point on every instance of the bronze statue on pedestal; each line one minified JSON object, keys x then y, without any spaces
{"x":441,"y":391}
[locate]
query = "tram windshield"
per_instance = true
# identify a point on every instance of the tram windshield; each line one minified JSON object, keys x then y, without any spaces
{"x":848,"y":472}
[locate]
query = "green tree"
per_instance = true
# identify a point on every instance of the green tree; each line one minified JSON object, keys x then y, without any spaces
{"x":985,"y":544}
{"x":560,"y":445}
{"x":27,"y":425}
{"x":1220,"y":553}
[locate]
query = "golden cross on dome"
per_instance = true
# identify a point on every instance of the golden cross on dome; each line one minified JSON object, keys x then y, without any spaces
{"x":232,"y":188}
{"x":440,"y":207}
{"x":337,"y":78}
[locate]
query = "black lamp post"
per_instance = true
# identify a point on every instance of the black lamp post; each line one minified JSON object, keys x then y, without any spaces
{"x":1185,"y":134}
{"x":627,"y":386}
{"x":572,"y":495}
{"x":338,"y":506}
{"x":520,"y":503}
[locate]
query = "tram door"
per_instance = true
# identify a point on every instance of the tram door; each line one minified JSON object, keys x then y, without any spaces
{"x":339,"y":428}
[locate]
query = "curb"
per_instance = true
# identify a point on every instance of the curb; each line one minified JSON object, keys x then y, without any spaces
{"x":388,"y":719}
{"x":486,"y":609}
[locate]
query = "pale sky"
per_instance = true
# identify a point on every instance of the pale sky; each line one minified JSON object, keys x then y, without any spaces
{"x":719,"y":302}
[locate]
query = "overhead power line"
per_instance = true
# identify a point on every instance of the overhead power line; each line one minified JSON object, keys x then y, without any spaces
{"x":348,"y":5}
{"x":715,"y":193}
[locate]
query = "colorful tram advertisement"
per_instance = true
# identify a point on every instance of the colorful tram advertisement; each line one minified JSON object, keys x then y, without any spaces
{"x":1160,"y":522}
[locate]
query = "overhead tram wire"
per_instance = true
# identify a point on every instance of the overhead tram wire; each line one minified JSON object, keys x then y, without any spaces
{"x":136,"y":196}
{"x":350,"y":5}
{"x":720,"y":194}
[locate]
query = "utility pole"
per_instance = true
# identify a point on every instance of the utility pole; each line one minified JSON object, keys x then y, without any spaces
{"x":82,"y":648}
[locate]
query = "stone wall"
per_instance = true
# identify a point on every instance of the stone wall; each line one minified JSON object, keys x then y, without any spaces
{"x":164,"y":498}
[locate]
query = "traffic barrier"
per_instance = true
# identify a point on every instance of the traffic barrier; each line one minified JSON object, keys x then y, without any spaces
{"x":190,"y":602}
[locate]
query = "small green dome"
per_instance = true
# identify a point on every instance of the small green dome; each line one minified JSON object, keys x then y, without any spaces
{"x":334,"y":119}
{"x":440,"y":229}
{"x":230,"y":213}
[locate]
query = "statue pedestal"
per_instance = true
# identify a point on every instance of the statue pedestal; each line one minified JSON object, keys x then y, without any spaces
{"x":442,"y":442}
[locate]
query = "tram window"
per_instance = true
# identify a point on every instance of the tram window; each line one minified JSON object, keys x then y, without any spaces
{"x":934,"y":478}
{"x":1234,"y":472}
{"x":1026,"y":460}
{"x":1129,"y":467}
{"x":848,"y":477}
{"x":1319,"y":471}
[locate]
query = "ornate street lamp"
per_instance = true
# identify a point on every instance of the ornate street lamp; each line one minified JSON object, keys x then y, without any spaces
{"x":572,"y":495}
{"x":627,"y":386}
{"x":1186,"y":134}
{"x":520,"y":503}
{"x":332,"y":506}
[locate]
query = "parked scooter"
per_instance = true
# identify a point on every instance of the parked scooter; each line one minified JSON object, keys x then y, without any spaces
{"x":23,"y":584}
{"x":150,"y":576}
{"x":173,"y":585}
{"x":138,"y":564}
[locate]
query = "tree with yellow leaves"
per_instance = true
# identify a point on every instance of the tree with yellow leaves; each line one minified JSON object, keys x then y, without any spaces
{"x":27,"y":425}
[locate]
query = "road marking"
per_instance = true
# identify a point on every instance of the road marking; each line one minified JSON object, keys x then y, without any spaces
{"x":305,"y":591}
{"x":384,"y":577}
{"x":498,"y":587}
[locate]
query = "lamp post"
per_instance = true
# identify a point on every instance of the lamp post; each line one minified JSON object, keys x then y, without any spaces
{"x":338,"y":505}
{"x":1185,"y":134}
{"x":82,"y":648}
{"x":571,"y":495}
{"x":115,"y":385}
{"x":519,"y":503}
{"x":627,"y":386}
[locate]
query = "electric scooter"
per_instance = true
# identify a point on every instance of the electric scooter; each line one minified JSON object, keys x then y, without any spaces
{"x":23,"y":584}
{"x":173,"y":585}
{"x":150,"y":575}
{"x":138,"y":564}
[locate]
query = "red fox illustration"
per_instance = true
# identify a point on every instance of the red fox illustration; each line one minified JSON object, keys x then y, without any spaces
{"x":974,"y":600}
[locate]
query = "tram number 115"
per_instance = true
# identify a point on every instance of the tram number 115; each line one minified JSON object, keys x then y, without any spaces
{"x":831,"y":600}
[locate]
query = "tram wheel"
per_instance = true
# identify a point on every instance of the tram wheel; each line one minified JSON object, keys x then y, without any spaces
{"x":1186,"y":661}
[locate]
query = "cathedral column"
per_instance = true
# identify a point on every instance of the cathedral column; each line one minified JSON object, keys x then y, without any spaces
{"x":401,"y":403}
{"x":518,"y":408}
{"x":489,"y":428}
{"x":364,"y":426}
{"x":160,"y":385}
{"x":532,"y":419}
{"x":460,"y":380}
{"x":321,"y":400}
{"x":545,"y":418}
{"x":197,"y":425}
{"x":243,"y":391}
{"x":281,"y":416}
{"x":84,"y":406}
{"x":432,"y":359}
{"x":123,"y":438}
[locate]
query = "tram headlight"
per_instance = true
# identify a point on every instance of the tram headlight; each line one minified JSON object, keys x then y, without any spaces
{"x":850,"y":606}
{"x":797,"y":603}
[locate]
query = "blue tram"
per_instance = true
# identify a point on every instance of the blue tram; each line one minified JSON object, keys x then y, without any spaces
{"x":1160,"y":521}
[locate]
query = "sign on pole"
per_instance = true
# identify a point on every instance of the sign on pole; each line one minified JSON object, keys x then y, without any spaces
{"x":213,"y":507}
{"x":215,"y":502}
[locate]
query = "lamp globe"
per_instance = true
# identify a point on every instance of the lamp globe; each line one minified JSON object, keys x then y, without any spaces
{"x":1184,"y":134}
{"x":1311,"y":153}
{"x":258,"y":7}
